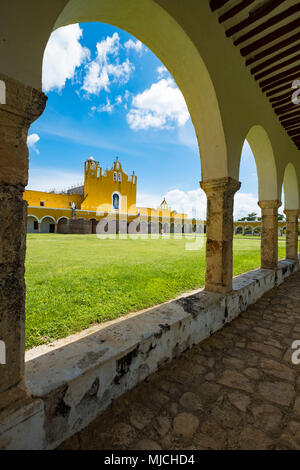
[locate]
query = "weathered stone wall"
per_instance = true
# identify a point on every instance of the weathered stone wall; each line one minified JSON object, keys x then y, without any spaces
{"x":78,"y":377}
{"x":12,"y":285}
{"x":23,"y":105}
{"x":79,"y":226}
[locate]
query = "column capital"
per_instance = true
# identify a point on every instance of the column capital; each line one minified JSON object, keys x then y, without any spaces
{"x":23,"y":105}
{"x":217,"y":185}
{"x":292,"y":212}
{"x":270,"y":204}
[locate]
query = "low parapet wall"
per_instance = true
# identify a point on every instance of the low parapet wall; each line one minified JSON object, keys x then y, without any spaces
{"x":76,"y":378}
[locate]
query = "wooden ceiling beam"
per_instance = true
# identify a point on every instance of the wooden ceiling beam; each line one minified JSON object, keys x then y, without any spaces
{"x":267,"y":24}
{"x":265,"y":40}
{"x":281,"y":97}
{"x":290,"y":115}
{"x":257,"y":15}
{"x":279,"y":66}
{"x":272,"y":49}
{"x":288,"y":79}
{"x":279,"y":76}
{"x":215,"y":4}
{"x":235,"y":10}
{"x":275,"y":58}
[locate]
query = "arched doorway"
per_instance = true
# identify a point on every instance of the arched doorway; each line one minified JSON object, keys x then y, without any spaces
{"x":63,"y":225}
{"x":239,"y":230}
{"x":94,"y":225}
{"x":32,"y":224}
{"x":48,"y":225}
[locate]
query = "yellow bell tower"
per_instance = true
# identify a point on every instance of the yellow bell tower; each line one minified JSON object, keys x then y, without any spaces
{"x":110,"y":190}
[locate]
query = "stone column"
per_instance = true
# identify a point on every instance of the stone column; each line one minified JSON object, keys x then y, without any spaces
{"x":269,"y":233}
{"x":292,"y":233}
{"x":219,"y":231}
{"x":23,"y":105}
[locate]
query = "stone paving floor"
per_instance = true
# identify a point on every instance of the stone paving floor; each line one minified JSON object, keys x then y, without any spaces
{"x":237,"y":390}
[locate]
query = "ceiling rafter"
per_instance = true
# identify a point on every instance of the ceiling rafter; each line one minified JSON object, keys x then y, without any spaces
{"x":270,"y":33}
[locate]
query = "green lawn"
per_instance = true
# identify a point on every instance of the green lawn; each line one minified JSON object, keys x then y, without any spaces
{"x":74,"y":281}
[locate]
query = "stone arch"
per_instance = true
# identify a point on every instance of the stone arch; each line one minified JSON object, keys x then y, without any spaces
{"x":178,"y":53}
{"x":257,"y":230}
{"x":63,"y":225}
{"x":248,"y":229}
{"x":178,"y":228}
{"x":48,"y":224}
{"x":32,"y":224}
{"x":238,"y":230}
{"x":144,"y":227}
{"x":166,"y":227}
{"x":291,"y":188}
{"x":262,"y":149}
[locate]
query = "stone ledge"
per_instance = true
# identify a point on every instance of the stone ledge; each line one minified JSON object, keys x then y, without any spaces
{"x":79,"y":376}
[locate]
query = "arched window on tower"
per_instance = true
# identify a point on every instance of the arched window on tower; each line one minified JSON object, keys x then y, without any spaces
{"x":119,"y":177}
{"x":116,"y":201}
{"x":115,"y":176}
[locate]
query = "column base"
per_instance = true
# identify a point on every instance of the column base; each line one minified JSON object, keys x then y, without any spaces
{"x":12,"y":399}
{"x":219,"y":289}
{"x":21,"y":421}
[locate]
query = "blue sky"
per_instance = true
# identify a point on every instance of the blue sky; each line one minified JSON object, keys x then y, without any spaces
{"x":108,"y":96}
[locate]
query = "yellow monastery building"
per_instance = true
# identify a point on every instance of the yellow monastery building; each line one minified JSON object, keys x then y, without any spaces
{"x":106,"y":203}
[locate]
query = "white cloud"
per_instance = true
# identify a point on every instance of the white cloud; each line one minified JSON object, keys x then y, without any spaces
{"x":105,"y":108}
{"x":47,"y":179}
{"x":108,"y":107}
{"x":193,"y":202}
{"x":95,"y":79}
{"x":108,"y":46}
{"x":63,"y":55}
{"x":137,"y":46}
{"x":244,"y":204}
{"x":101,"y":72}
{"x":32,"y":139}
{"x":162,"y":71}
{"x":160,"y":106}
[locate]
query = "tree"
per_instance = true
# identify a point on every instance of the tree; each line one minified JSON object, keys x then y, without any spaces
{"x":250,"y":217}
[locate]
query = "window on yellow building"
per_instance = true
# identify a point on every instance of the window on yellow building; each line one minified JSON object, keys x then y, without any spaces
{"x":116,"y":201}
{"x":119,"y":177}
{"x":115,"y":176}
{"x":42,"y":203}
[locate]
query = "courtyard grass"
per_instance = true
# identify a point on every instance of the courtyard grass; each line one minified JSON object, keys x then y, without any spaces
{"x":74,"y":281}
